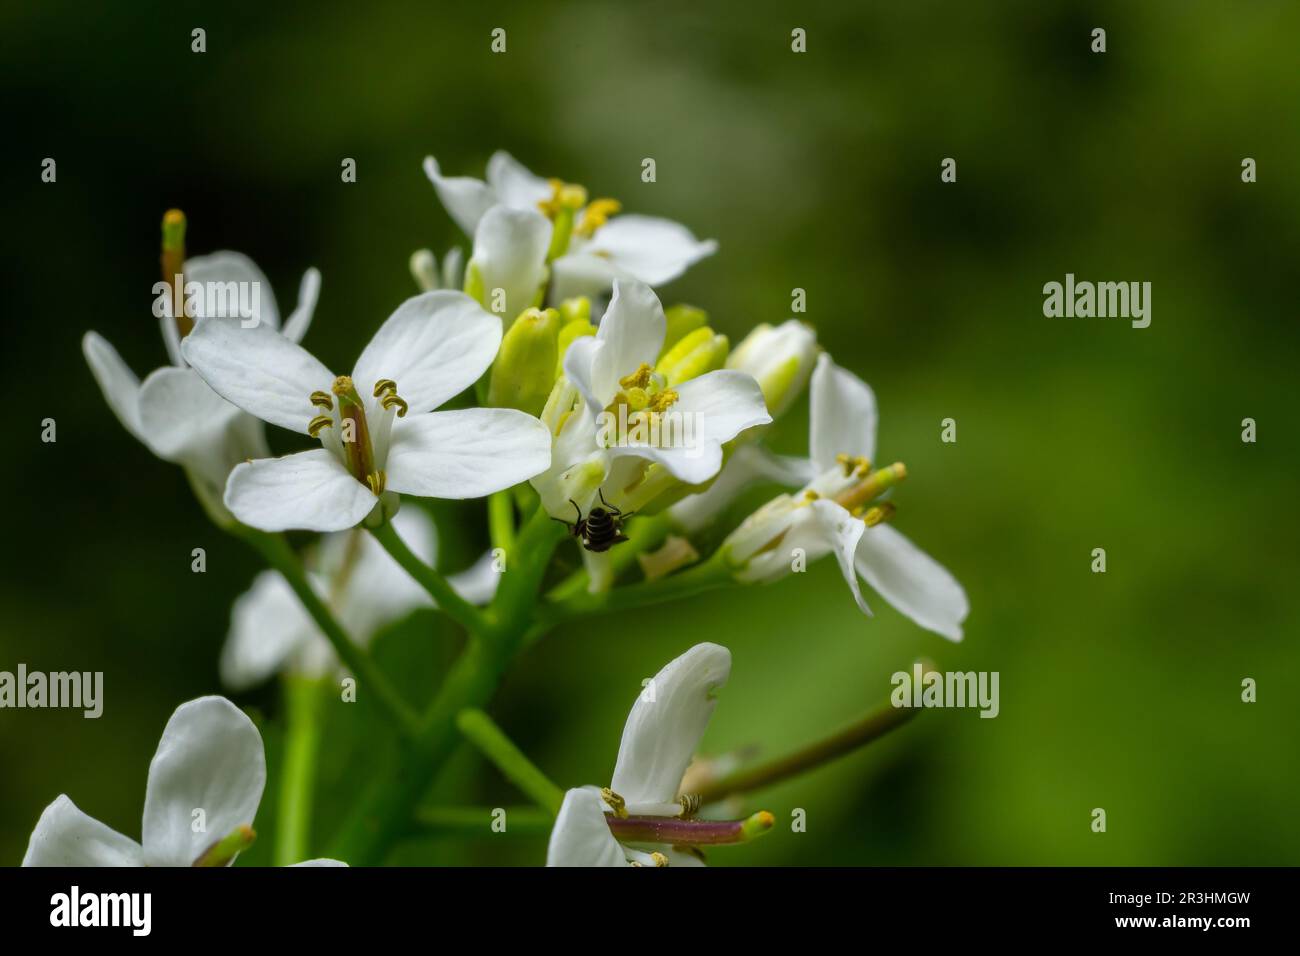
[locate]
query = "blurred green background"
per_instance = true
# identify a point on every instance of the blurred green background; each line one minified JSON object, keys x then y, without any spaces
{"x":818,"y":171}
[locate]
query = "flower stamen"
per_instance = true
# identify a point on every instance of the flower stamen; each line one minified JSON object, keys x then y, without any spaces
{"x":322,"y":400}
{"x":615,"y":802}
{"x":596,"y":215}
{"x":316,"y":424}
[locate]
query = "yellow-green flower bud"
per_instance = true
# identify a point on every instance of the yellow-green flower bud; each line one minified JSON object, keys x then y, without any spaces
{"x":525,"y":368}
{"x":694,"y":354}
{"x":682,"y":320}
{"x":780,"y":358}
{"x":577,"y":309}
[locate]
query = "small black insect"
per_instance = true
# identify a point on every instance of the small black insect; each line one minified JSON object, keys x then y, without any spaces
{"x":601,"y":529}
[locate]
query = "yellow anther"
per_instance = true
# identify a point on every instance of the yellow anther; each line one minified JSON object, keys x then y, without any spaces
{"x":322,"y":400}
{"x":384,"y":385}
{"x":810,"y":495}
{"x":596,"y":215}
{"x":563,"y":196}
{"x":878,"y":514}
{"x":391,"y":399}
{"x":316,"y":424}
{"x":377,"y":480}
{"x":690,"y":804}
{"x":659,"y":858}
{"x":852,"y":463}
{"x":663,"y":401}
{"x":638,"y":379}
{"x":615,"y":802}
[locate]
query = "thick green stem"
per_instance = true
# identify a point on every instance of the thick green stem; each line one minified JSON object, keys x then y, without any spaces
{"x":478,"y":821}
{"x":443,"y":594}
{"x":280,"y":556}
{"x":484,"y":734}
{"x":868,"y":728}
{"x":385,"y":812}
{"x":303,"y":697}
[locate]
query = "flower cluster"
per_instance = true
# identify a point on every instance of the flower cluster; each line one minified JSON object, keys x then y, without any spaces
{"x":541,"y":372}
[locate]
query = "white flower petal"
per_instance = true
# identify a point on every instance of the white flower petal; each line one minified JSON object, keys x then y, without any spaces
{"x":182,"y":417}
{"x":231,"y":279}
{"x":306,"y":491}
{"x":466,"y":199}
{"x":843,"y":419}
{"x":116,"y":380}
{"x":268,"y":626}
{"x":377,"y":591}
{"x":299,"y":321}
{"x":210,"y":758}
{"x":64,"y":836}
{"x":912,"y":581}
{"x":842,"y":532}
{"x":514,"y":184}
{"x":467,"y":453}
{"x":479,"y":582}
{"x":322,"y":861}
{"x":667,"y":723}
{"x":510,"y":248}
{"x":748,"y":465}
{"x":259,"y":370}
{"x":691,"y":466}
{"x":631,"y":334}
{"x":648,"y":248}
{"x":723,"y":403}
{"x":578,"y":362}
{"x":581,"y":837}
{"x":434,"y":346}
{"x":581,"y":273}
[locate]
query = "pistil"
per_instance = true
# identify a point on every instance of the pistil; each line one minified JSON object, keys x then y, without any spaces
{"x":356,"y":435}
{"x":228,"y":847}
{"x":173,"y":267}
{"x":677,"y":831}
{"x":872,"y":486}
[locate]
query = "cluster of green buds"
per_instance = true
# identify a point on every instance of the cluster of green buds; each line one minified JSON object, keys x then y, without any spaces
{"x":531,"y":359}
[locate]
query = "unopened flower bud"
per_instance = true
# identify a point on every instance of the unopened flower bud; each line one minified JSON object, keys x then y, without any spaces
{"x":697,"y":352}
{"x":780,"y":358}
{"x":682,"y":320}
{"x":524,"y":371}
{"x":424,"y":270}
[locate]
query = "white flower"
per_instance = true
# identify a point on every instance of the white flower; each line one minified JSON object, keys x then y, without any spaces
{"x":627,"y":417}
{"x":205,"y":783}
{"x":377,"y":427}
{"x":644,"y":797}
{"x":508,"y":265}
{"x":173,"y":413}
{"x":602,"y":246}
{"x":818,"y":520}
{"x":270,"y":630}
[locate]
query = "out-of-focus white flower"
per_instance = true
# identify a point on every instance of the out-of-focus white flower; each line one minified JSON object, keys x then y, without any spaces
{"x":205,"y":783}
{"x":270,"y":630}
{"x":833,"y":514}
{"x":430,"y":277}
{"x":173,"y":413}
{"x":644,"y":804}
{"x":430,"y":349}
{"x":590,"y":245}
